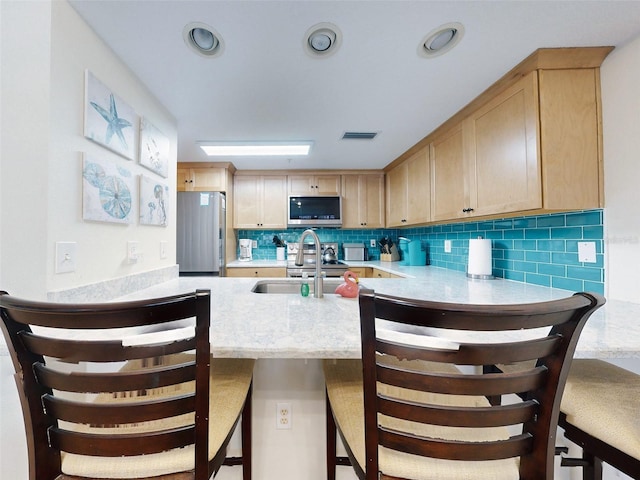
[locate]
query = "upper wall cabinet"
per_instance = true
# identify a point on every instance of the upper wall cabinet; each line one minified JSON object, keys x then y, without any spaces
{"x":503,"y":165}
{"x":408,"y":191}
{"x":531,"y":143}
{"x":205,"y":179}
{"x":363,"y":200}
{"x":314,"y":184}
{"x":448,"y":195}
{"x":260,"y":201}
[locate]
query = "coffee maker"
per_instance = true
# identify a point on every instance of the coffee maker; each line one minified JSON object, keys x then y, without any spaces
{"x":245,"y":249}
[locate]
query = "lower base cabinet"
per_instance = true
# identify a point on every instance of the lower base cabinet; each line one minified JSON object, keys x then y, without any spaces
{"x":257,"y":272}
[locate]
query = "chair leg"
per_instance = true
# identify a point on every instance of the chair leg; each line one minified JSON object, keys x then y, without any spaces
{"x":246,"y":436}
{"x":593,"y":468}
{"x":331,"y":441}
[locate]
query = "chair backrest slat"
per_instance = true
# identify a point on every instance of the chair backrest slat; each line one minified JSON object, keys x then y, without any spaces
{"x":90,"y":385}
{"x":449,"y":450}
{"x":463,"y":384}
{"x":86,"y":413}
{"x":493,"y":416}
{"x":74,"y":351}
{"x":471,"y":354}
{"x":154,"y":377}
{"x":432,"y":397}
{"x":105,"y":445}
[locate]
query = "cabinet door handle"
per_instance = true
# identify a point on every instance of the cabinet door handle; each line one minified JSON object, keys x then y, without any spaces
{"x":467,"y":210}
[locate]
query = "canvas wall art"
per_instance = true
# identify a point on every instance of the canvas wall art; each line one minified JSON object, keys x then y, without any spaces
{"x":154,"y":148}
{"x":107,"y":191}
{"x":154,"y":202}
{"x":108,"y":120}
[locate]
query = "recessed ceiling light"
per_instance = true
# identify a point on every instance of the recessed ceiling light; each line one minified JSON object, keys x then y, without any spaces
{"x":203,"y":39}
{"x":255,"y":149}
{"x":322,"y":39}
{"x":441,"y":40}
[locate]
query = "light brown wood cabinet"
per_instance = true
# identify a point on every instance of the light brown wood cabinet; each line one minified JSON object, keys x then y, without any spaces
{"x":314,"y":184}
{"x":362,"y":272}
{"x":488,"y":163}
{"x":257,"y":272}
{"x":531,"y":143}
{"x":363,"y":201}
{"x":203,"y":179}
{"x":503,"y":165}
{"x":448,"y":196}
{"x":260,"y":201}
{"x":408,"y":191}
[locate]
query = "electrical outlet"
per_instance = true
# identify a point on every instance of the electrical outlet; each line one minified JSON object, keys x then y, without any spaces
{"x":283,"y":416}
{"x":163,"y":249}
{"x":254,"y":244}
{"x":587,"y":252}
{"x":447,"y":246}
{"x":372,"y":243}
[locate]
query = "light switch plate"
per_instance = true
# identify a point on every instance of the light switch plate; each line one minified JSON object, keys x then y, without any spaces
{"x":133,"y":251}
{"x":163,"y":248}
{"x":65,"y":257}
{"x":587,"y":252}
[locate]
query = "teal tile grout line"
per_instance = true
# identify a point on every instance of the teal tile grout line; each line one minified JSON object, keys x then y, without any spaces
{"x":539,"y":249}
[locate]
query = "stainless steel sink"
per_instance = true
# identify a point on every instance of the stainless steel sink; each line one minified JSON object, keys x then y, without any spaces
{"x":293,"y":286}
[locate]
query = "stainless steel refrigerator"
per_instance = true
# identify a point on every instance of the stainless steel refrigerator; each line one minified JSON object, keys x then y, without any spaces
{"x":201,"y":233}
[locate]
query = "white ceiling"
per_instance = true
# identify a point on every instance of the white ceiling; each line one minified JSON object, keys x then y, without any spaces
{"x":265,"y":87}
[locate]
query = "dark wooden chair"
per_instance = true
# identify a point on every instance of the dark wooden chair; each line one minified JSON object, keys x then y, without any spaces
{"x":599,"y":413}
{"x":125,"y":390}
{"x":417,"y":405}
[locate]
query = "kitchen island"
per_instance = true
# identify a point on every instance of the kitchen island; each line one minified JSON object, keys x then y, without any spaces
{"x":261,"y":325}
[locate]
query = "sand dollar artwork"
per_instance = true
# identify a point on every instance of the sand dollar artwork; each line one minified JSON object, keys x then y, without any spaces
{"x":107,"y":193}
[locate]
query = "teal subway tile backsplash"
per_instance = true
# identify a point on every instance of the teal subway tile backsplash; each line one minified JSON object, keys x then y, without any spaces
{"x":540,"y":249}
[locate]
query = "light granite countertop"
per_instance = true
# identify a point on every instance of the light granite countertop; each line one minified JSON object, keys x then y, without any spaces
{"x":247,"y":324}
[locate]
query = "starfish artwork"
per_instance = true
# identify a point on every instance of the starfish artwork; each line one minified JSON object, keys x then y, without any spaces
{"x":115,"y":124}
{"x":103,"y":105}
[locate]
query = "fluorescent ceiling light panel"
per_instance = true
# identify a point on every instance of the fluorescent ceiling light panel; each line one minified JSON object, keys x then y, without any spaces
{"x":254,"y":149}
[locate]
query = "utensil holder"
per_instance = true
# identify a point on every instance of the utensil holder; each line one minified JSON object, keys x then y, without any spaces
{"x":389,"y":257}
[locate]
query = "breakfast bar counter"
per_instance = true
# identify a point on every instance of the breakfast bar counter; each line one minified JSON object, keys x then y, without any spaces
{"x":269,"y":325}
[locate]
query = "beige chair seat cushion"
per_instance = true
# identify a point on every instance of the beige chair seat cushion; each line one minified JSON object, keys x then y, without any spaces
{"x":230,"y":381}
{"x":344,"y":388}
{"x":603,"y":400}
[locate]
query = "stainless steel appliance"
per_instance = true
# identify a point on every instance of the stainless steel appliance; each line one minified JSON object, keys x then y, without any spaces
{"x":353,"y":251}
{"x":320,"y":211}
{"x":334,"y":268}
{"x":201,"y":233}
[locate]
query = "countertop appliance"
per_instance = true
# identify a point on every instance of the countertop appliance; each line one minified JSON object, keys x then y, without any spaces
{"x":312,"y":211}
{"x":353,"y":251}
{"x":332,"y":269}
{"x":200,"y":233}
{"x":246,"y":254}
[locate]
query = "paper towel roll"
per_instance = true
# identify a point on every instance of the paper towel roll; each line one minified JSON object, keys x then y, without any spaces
{"x":479,"y":265}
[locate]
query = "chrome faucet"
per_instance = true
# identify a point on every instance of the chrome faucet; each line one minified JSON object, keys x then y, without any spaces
{"x":317,"y":280}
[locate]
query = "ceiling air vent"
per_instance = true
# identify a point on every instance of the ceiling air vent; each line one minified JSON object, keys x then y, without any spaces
{"x":359,"y":135}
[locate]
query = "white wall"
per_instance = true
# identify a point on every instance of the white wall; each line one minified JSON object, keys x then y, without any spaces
{"x":620,"y":75}
{"x":41,"y":156}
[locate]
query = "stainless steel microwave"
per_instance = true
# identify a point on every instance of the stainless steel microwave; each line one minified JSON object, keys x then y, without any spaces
{"x":321,"y":211}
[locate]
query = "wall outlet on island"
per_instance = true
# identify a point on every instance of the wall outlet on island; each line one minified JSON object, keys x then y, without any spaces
{"x":283,"y":416}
